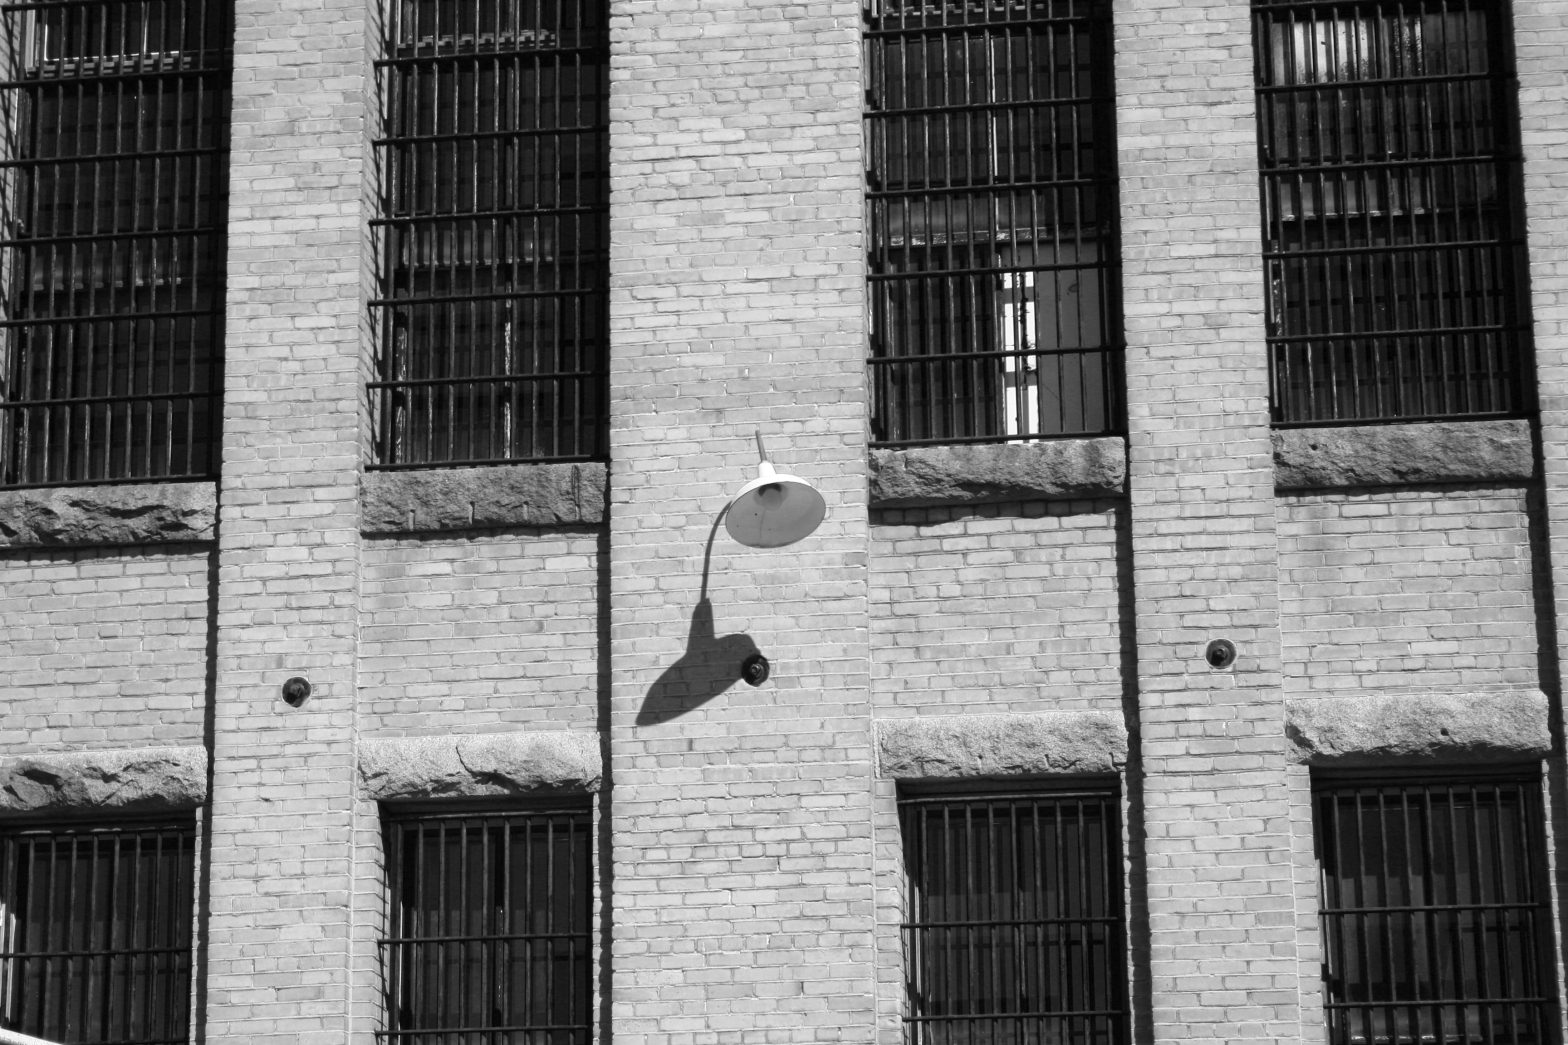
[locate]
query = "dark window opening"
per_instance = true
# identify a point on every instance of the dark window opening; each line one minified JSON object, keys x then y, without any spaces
{"x":494,"y":233}
{"x":95,"y":943}
{"x":991,"y":195}
{"x":489,"y":928}
{"x":1435,"y":912}
{"x":1013,"y":927}
{"x":1391,"y":241}
{"x":112,"y":209}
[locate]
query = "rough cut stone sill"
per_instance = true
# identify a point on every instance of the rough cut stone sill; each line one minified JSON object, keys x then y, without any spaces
{"x":135,"y":513}
{"x":124,"y":781}
{"x":479,"y":765}
{"x":1396,"y":455}
{"x":988,"y":472}
{"x":483,"y":498}
{"x":1381,"y":730}
{"x":1051,"y":743}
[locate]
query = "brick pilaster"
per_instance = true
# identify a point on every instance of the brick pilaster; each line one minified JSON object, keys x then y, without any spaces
{"x":280,"y":965}
{"x":1222,"y":965}
{"x":740,"y":817}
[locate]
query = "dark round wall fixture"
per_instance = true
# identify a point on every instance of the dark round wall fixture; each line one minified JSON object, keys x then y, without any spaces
{"x":1220,"y":654}
{"x":296,"y":691}
{"x":754,"y":670}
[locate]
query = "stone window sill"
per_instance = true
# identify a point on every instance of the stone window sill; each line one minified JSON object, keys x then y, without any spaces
{"x":125,"y":514}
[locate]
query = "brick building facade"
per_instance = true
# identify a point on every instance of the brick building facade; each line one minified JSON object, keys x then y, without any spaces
{"x":540,"y":649}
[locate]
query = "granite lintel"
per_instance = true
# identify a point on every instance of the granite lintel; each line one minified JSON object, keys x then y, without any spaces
{"x":1418,"y":728}
{"x":490,"y":497}
{"x":129,"y":780}
{"x":1403,"y":454}
{"x":1050,"y":743}
{"x":978,"y":473}
{"x":479,"y":765}
{"x":123,"y":514}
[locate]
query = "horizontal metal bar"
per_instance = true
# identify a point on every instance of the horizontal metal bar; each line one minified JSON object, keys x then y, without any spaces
{"x":877,"y":27}
{"x":1422,"y":1003}
{"x":87,"y":77}
{"x":429,"y":382}
{"x":594,"y":49}
{"x":417,"y":941}
{"x":139,"y":397}
{"x":104,"y":952}
{"x":498,"y":295}
{"x":1014,"y":923}
{"x":476,"y":136}
{"x":1384,"y":248}
{"x":986,"y":190}
{"x":487,"y":1028}
{"x":473,"y":219}
{"x":113,"y":157}
{"x":57,"y":320}
{"x":191,"y":233}
{"x":1013,"y":1017}
{"x":1278,"y":170}
{"x":1391,"y":335}
{"x":1010,"y":437}
{"x":883,"y":113}
{"x":1379,"y":83}
{"x":481,"y":462}
{"x":947,"y":357}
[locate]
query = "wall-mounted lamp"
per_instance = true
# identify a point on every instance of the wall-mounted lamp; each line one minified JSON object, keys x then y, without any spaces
{"x":773,"y":510}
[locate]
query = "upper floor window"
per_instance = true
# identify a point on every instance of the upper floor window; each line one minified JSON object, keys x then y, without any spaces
{"x":1390,"y":239}
{"x":95,"y":931}
{"x":1435,"y":909}
{"x":489,"y":927}
{"x":112,"y":180}
{"x":991,"y":196}
{"x":1013,"y":927}
{"x":493,"y":232}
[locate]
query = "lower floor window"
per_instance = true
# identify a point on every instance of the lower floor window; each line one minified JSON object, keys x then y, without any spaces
{"x":97,"y":931}
{"x":1014,"y":928}
{"x":1435,"y":911}
{"x":489,"y":928}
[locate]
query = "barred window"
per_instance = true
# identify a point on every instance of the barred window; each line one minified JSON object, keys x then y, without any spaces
{"x":1391,"y":243}
{"x":991,"y":197}
{"x":1014,"y":929}
{"x":494,"y":240}
{"x":489,"y":928}
{"x":95,"y":942}
{"x":1435,"y":911}
{"x":112,"y":179}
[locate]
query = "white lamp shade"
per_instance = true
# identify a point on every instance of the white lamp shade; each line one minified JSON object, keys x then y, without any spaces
{"x":774,"y":510}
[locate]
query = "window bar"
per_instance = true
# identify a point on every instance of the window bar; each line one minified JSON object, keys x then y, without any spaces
{"x":1389,"y":169}
{"x":979,"y":155}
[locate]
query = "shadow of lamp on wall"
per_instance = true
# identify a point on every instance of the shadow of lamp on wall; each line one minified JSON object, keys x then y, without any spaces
{"x":771,"y":511}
